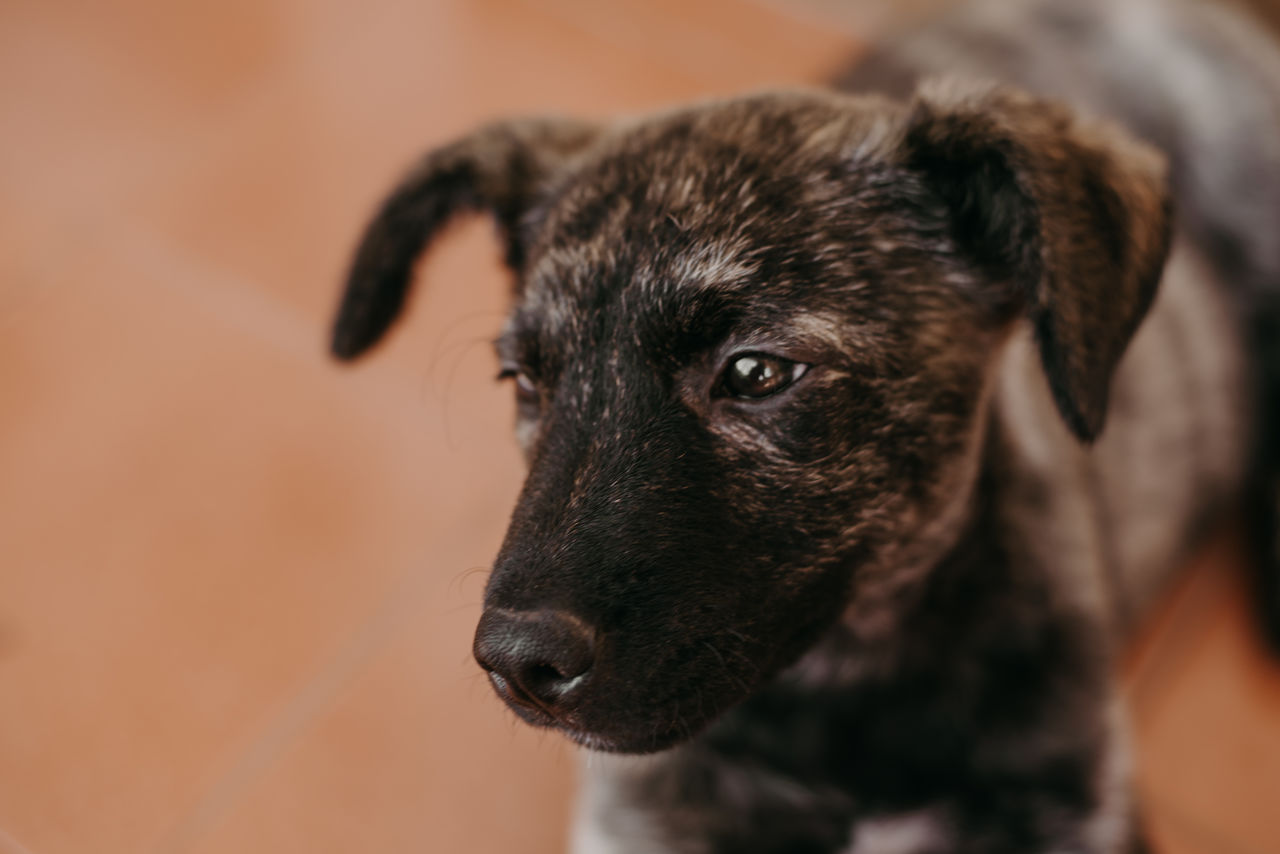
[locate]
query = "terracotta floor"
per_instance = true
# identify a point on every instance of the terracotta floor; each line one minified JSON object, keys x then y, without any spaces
{"x":238,"y":583}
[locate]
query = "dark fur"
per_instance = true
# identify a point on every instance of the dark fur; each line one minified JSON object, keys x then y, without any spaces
{"x":865,"y":613}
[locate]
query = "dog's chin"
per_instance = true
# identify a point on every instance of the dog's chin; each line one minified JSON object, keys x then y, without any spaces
{"x":636,"y":744}
{"x":637,"y":741}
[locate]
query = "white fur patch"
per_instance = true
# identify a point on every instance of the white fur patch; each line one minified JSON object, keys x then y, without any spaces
{"x":605,"y":821}
{"x":917,"y":832}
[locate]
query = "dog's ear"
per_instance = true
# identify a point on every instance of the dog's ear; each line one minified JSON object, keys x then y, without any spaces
{"x":500,"y":168}
{"x":1072,"y":216}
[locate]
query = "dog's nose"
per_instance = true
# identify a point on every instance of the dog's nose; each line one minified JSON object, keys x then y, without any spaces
{"x":535,"y":658}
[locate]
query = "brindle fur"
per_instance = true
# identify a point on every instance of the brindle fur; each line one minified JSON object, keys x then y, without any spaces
{"x":878,"y":612}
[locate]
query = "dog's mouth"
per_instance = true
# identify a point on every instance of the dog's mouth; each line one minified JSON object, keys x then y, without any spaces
{"x":639,"y":743}
{"x":571,"y":724}
{"x":520,"y":700}
{"x":650,"y":742}
{"x":557,"y":671}
{"x":615,"y":691}
{"x":534,"y":714}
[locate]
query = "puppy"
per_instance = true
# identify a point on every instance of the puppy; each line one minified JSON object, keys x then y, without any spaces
{"x":862,"y":424}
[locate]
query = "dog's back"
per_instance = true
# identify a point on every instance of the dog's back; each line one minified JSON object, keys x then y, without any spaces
{"x":1197,"y":394}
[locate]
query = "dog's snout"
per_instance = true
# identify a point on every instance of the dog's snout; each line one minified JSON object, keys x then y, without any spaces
{"x":538,"y":659}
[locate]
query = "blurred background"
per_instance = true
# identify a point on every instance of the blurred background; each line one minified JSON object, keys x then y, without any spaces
{"x":237,"y":582}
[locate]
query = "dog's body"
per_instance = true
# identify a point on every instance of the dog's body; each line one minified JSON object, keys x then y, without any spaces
{"x":812,"y":389}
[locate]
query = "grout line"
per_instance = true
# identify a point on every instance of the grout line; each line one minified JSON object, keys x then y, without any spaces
{"x":255,"y":312}
{"x":9,"y":845}
{"x":286,"y":725}
{"x":251,"y":311}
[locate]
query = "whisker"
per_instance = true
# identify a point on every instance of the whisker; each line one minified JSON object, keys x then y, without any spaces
{"x":455,"y":583}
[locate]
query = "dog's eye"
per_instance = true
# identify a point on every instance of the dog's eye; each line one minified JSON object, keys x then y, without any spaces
{"x":754,"y":375}
{"x":527,"y":393}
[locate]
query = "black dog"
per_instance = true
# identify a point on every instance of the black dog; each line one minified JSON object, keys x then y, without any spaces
{"x":813,"y":389}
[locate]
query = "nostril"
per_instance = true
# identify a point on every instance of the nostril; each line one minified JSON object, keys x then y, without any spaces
{"x":535,"y":658}
{"x":545,"y":684}
{"x":545,"y":674}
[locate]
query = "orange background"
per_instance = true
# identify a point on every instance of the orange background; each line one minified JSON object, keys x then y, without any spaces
{"x":238,"y":582}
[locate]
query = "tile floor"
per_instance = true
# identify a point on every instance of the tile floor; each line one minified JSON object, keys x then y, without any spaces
{"x":238,"y":583}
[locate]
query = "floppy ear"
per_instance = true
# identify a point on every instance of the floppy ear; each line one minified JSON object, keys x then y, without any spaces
{"x":1072,"y":216}
{"x":499,"y":168}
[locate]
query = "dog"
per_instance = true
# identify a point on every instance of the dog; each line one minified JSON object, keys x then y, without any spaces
{"x":862,"y":424}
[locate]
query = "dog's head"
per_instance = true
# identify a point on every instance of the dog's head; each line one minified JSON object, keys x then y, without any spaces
{"x":751,"y":343}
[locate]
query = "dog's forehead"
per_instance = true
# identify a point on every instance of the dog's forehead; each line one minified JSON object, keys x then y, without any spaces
{"x":718,"y":199}
{"x":710,"y":167}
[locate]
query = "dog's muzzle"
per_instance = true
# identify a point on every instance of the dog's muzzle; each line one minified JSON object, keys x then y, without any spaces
{"x":538,"y":661}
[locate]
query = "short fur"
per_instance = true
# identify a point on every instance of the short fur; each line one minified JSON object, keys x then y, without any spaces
{"x":877,"y":612}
